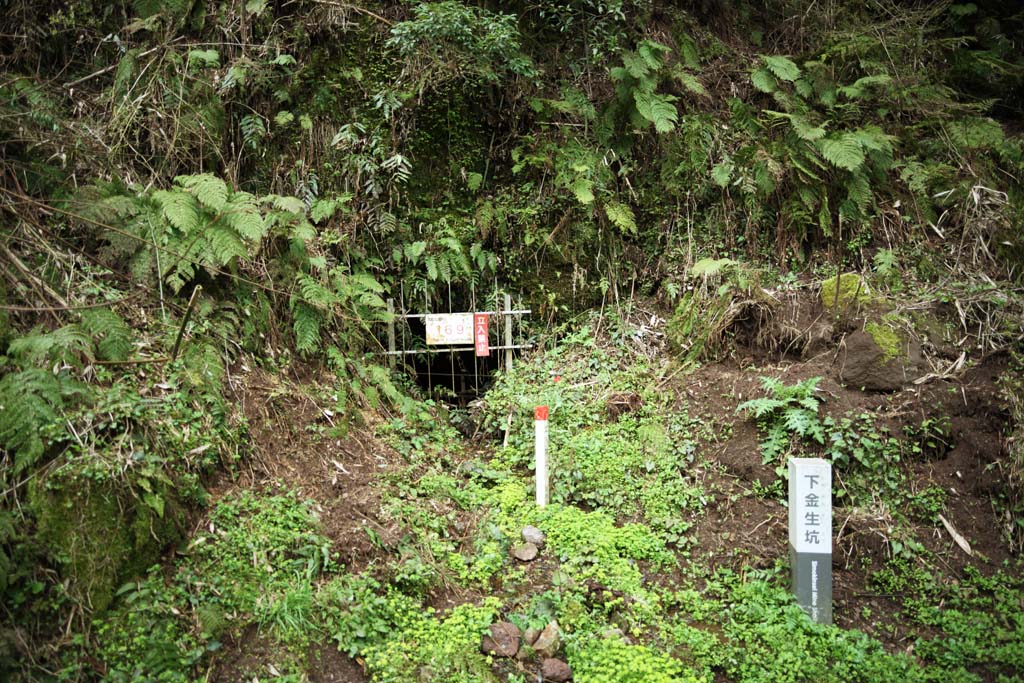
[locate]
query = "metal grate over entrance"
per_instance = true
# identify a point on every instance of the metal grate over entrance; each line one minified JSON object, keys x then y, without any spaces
{"x":455,"y":350}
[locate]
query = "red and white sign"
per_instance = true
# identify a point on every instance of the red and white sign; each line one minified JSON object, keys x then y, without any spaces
{"x":540,"y":433}
{"x":483,"y":347}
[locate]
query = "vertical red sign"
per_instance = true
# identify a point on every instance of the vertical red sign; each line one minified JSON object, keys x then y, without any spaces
{"x":483,"y":348}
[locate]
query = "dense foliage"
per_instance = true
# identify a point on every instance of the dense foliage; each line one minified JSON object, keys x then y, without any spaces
{"x":191,"y":187}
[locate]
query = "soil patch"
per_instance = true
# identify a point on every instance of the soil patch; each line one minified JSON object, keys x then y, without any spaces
{"x":745,"y":527}
{"x":291,"y":430}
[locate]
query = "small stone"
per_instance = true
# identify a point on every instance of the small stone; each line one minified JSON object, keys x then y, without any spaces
{"x":530,"y":636}
{"x":555,"y":670}
{"x":610,"y":633}
{"x":503,"y":640}
{"x":549,"y":640}
{"x":525,"y":552}
{"x":532,"y":534}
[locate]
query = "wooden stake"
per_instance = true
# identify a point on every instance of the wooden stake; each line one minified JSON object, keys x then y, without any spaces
{"x":184,"y":321}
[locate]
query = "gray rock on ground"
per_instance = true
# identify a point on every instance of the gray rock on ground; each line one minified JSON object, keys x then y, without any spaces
{"x":549,"y":640}
{"x":532,"y":534}
{"x":525,"y":552}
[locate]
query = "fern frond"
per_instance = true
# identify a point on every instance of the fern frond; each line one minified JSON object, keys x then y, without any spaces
{"x":367,"y":282}
{"x":761,"y":407}
{"x":583,"y":189}
{"x":621,"y":216}
{"x":763,"y":80}
{"x":861,"y":86}
{"x":315,"y":294}
{"x":224,"y":245}
{"x":306,"y":323}
{"x":207,"y":188}
{"x":245,"y":220}
{"x":66,"y":344}
{"x":775,"y":443}
{"x":798,"y":420}
{"x":444,"y":267}
{"x":114,"y":339}
{"x":782,"y":68}
{"x":30,"y":401}
{"x":690,"y":82}
{"x":179,"y":208}
{"x":843,"y":150}
{"x":858,"y":197}
{"x":657,"y":109}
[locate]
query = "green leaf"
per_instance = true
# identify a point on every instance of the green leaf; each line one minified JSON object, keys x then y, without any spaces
{"x":805,"y":130}
{"x":583,"y":189}
{"x":203,"y":58}
{"x":179,"y":208}
{"x":635,"y":65}
{"x":711,"y":266}
{"x":289,"y":204}
{"x":621,"y":216}
{"x":783,"y":68}
{"x":690,"y":83}
{"x":843,"y":151}
{"x":207,"y":188}
{"x":322,"y":209}
{"x":721,"y":174}
{"x":283,"y":118}
{"x":154,"y":501}
{"x":763,"y":80}
{"x":861,"y":86}
{"x":414,"y":250}
{"x":658,"y":109}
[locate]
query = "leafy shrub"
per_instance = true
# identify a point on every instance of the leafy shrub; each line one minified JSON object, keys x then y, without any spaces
{"x":483,"y":44}
{"x":592,"y":547}
{"x":788,"y":411}
{"x":260,"y":548}
{"x":425,"y":649}
{"x":613,"y":661}
{"x":147,"y":638}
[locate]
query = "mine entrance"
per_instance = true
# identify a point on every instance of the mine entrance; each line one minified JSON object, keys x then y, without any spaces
{"x":454,"y":354}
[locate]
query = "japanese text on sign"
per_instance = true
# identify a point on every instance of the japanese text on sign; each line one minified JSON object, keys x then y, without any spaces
{"x":482,"y":344}
{"x":810,"y":505}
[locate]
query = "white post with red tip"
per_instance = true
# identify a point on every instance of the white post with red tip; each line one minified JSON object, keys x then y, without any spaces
{"x":540,"y":431}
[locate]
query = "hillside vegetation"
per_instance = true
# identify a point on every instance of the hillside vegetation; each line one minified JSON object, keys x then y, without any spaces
{"x":746,"y":230}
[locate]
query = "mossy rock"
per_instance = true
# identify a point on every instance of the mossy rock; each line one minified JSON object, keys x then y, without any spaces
{"x":101,"y":535}
{"x":853,"y":294}
{"x":888,"y":339}
{"x":881,"y":357}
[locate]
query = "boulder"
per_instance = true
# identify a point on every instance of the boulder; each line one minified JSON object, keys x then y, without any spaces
{"x":555,"y":670}
{"x":525,"y":552}
{"x":502,"y":640}
{"x":532,"y":534}
{"x":879,"y":358}
{"x":549,"y":640}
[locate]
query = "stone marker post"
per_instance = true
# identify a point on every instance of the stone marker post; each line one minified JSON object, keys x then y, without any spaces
{"x":810,"y":536}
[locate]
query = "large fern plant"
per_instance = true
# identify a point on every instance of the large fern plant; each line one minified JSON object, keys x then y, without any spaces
{"x":805,"y":149}
{"x":787,"y":412}
{"x":196,"y":223}
{"x":32,"y":402}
